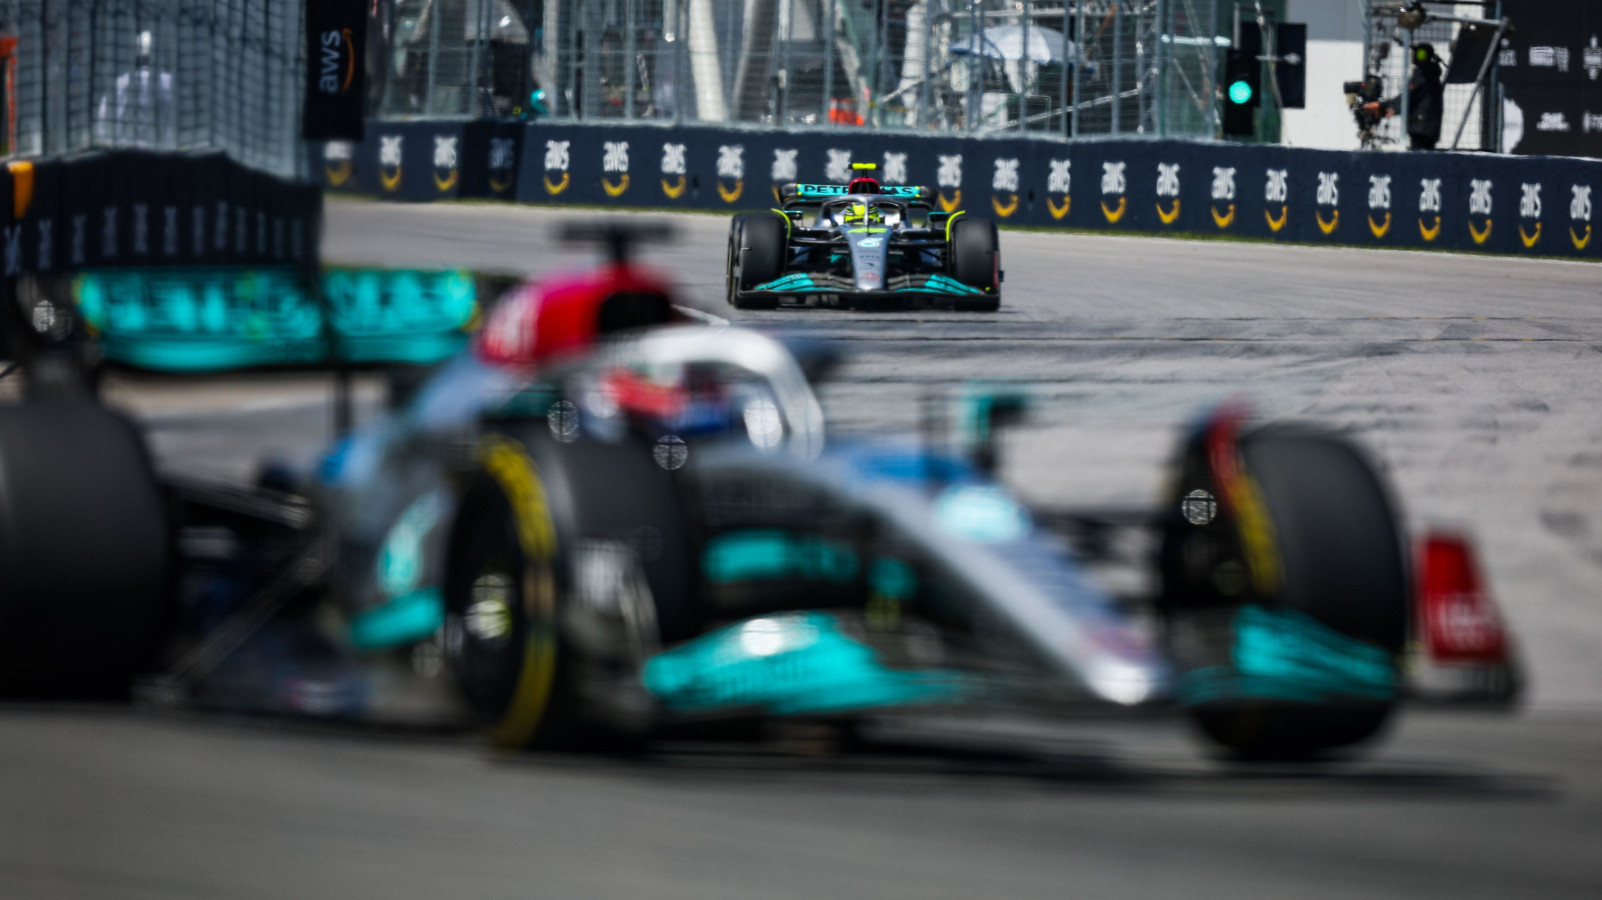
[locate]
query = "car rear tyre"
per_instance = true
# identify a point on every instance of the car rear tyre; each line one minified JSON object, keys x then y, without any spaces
{"x":86,"y":553}
{"x":975,"y":261}
{"x":1342,"y":563}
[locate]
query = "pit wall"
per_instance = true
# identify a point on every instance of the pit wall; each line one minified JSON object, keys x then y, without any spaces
{"x":1540,"y":206}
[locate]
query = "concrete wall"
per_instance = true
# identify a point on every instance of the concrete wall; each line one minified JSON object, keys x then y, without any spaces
{"x":1334,"y":55}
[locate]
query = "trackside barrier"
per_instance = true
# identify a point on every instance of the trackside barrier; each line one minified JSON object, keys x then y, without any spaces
{"x":130,"y":208}
{"x":1449,"y":201}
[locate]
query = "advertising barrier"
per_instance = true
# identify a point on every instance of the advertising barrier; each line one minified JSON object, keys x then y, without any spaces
{"x":1429,"y":200}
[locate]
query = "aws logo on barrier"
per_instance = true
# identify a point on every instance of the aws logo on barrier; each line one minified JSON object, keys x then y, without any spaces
{"x":731,"y":169}
{"x":338,"y":62}
{"x":1276,"y":190}
{"x":783,"y":170}
{"x":502,"y":164}
{"x":1113,"y":185}
{"x":949,"y":175}
{"x":556,"y":161}
{"x":673,"y":164}
{"x":615,"y":160}
{"x":1167,"y":186}
{"x":1479,"y":205}
{"x":1329,"y":195}
{"x":838,"y":169}
{"x":1059,"y":180}
{"x":1379,"y":201}
{"x":1530,"y":208}
{"x":389,"y":161}
{"x":1223,"y":192}
{"x":1580,"y":211}
{"x":1429,"y":201}
{"x":337,"y":162}
{"x":1005,"y":183}
{"x":445,"y":171}
{"x":894,"y":170}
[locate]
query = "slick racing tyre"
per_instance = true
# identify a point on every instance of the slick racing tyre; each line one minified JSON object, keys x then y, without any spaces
{"x":1342,"y":566}
{"x":86,"y":553}
{"x":550,"y":539}
{"x":758,"y":251}
{"x":731,"y":273}
{"x":975,"y":261}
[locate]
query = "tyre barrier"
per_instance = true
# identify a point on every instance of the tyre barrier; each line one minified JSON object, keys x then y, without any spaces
{"x":1482,"y":202}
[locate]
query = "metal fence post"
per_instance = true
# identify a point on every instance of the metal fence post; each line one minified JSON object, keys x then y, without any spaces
{"x":1407,"y":72}
{"x":1117,"y":68}
{"x":828,"y":59}
{"x":781,"y":103}
{"x":924,"y":88}
{"x":1079,"y":56}
{"x":976,"y":65}
{"x":631,"y":58}
{"x":1023,"y":72}
{"x":1164,"y":49}
{"x":472,"y":64}
{"x":680,"y":57}
{"x":433,"y":59}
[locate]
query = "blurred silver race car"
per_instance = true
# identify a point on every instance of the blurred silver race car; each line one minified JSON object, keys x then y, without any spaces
{"x":600,"y":522}
{"x":863,"y":244}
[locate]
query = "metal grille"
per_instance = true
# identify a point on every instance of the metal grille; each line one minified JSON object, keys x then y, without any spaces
{"x":1461,"y":104}
{"x":162,"y":74}
{"x":1144,"y":67}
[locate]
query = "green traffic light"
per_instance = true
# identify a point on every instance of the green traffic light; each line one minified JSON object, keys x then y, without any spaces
{"x":1240,"y":92}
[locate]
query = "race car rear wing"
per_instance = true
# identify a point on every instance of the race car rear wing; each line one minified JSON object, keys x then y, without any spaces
{"x":820,"y":192}
{"x":190,"y":321}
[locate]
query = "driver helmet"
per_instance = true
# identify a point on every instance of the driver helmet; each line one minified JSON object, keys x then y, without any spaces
{"x":864,"y":214}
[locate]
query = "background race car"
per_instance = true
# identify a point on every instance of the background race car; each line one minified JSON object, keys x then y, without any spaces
{"x":863,"y":244}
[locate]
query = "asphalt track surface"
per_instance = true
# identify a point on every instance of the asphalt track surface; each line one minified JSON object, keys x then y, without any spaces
{"x":1472,"y":379}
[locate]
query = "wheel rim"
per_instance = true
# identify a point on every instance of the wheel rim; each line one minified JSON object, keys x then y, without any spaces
{"x":483,"y":638}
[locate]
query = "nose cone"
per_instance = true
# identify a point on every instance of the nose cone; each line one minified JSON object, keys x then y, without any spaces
{"x":869,"y":245}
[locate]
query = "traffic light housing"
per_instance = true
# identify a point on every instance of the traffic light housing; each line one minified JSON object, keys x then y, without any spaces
{"x":1243,"y":77}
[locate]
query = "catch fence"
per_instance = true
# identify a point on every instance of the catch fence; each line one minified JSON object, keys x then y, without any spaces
{"x":1054,"y":67}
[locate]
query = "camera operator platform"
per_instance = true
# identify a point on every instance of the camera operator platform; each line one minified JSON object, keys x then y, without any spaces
{"x":1421,"y":105}
{"x":1425,"y":93}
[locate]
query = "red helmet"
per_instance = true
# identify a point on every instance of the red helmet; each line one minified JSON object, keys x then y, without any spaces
{"x":862,"y":186}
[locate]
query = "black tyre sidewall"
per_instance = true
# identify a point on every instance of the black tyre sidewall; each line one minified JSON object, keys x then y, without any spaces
{"x":87,"y":556}
{"x":974,"y":242}
{"x":762,"y":251}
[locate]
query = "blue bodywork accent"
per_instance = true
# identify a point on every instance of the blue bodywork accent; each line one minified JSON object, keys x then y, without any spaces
{"x":797,"y":283}
{"x":790,"y":664}
{"x":404,"y":620}
{"x":769,"y":553}
{"x":942,"y":284}
{"x":1285,"y":655}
